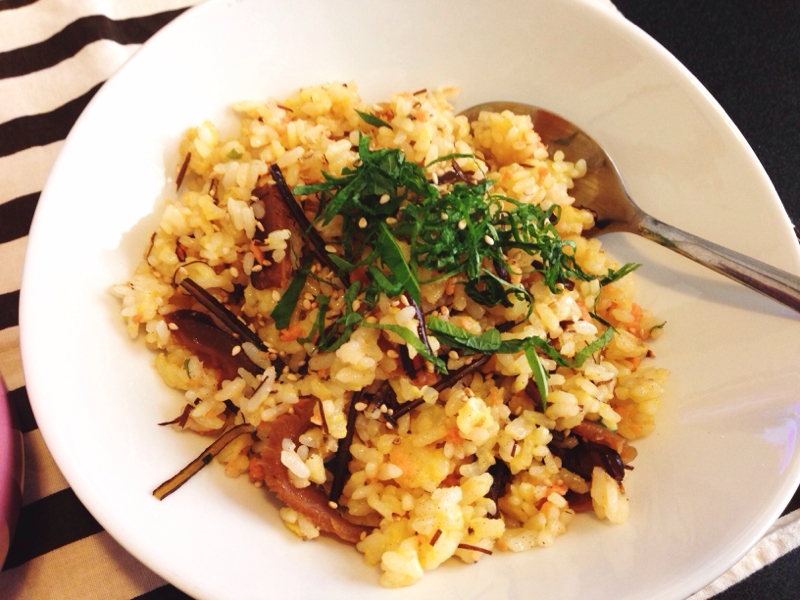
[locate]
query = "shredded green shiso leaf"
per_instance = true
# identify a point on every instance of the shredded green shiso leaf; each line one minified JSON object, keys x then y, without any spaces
{"x":397,"y":224}
{"x":373,"y":120}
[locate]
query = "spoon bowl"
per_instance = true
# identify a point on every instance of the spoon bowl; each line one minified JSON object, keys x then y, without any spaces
{"x":602,"y":192}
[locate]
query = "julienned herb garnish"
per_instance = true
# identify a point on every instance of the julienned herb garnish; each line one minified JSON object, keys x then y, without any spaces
{"x":490,"y":342}
{"x":371,"y":119}
{"x":412,"y":340}
{"x":396,"y":224}
{"x":330,"y":338}
{"x":614,"y":275}
{"x":282,"y":312}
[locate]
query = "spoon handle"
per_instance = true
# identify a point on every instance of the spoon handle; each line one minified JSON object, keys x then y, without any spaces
{"x":761,"y":277}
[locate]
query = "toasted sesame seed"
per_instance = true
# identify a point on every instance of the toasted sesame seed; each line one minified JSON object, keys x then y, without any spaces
{"x":235,"y":350}
{"x":257,"y":268}
{"x":331,"y":249}
{"x":391,"y":220}
{"x":462,"y":224}
{"x":173,"y":326}
{"x":333,"y":504}
{"x":360,"y":406}
{"x":444,"y":216}
{"x":362,"y":222}
{"x":385,"y":198}
{"x":488,"y":239}
{"x":234,"y":272}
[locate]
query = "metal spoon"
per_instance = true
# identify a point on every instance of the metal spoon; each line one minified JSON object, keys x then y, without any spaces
{"x":603,"y":192}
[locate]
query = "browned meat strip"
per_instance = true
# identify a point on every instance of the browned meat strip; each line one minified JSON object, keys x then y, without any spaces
{"x":197,"y":333}
{"x":310,"y":501}
{"x":276,"y":216}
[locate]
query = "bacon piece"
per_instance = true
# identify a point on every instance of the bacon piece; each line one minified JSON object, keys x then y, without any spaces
{"x":310,"y":501}
{"x":197,"y":333}
{"x":276,"y":216}
{"x":595,"y":432}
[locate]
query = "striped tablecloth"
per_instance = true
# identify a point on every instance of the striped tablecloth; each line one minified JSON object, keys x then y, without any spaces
{"x":54,"y":56}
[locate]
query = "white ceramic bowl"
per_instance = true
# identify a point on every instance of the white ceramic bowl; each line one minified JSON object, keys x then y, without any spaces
{"x":708,"y":483}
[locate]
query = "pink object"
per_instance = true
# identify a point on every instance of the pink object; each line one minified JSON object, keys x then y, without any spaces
{"x":11,"y":472}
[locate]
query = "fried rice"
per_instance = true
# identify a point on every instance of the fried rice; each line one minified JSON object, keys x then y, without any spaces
{"x":419,"y":412}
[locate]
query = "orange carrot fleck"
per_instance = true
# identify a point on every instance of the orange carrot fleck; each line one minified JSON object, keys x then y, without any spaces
{"x":291,"y":333}
{"x":259,"y":255}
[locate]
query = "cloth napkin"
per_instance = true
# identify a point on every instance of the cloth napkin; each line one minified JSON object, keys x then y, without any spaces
{"x":54,"y":55}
